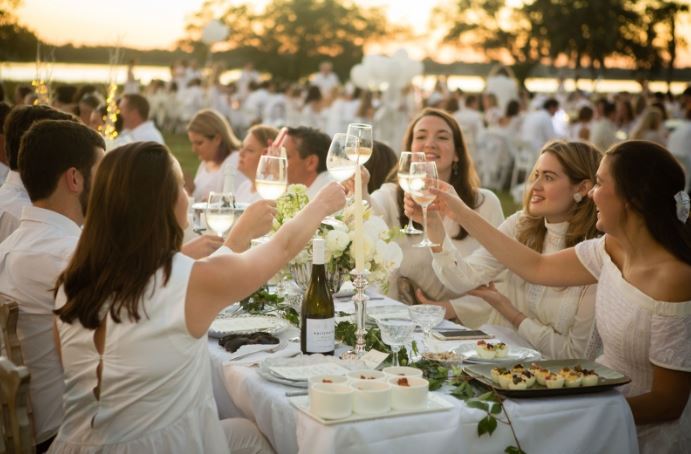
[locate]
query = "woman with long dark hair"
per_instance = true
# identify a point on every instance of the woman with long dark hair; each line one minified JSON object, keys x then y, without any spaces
{"x":437,"y":134}
{"x":643,"y":269}
{"x":133,"y":311}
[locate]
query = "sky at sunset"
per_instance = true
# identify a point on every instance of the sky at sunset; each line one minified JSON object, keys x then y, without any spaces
{"x":158,"y":23}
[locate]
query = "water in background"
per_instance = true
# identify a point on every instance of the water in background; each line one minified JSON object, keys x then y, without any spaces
{"x":79,"y":73}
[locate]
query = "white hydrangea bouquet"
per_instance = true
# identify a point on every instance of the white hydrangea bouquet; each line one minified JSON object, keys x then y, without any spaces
{"x":382,"y":255}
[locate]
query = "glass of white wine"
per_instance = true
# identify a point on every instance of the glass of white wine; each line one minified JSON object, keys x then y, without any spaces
{"x":407,"y":158}
{"x":271,"y":180}
{"x":423,"y":178}
{"x":364,"y":145}
{"x":339,"y":165}
{"x":220,"y":212}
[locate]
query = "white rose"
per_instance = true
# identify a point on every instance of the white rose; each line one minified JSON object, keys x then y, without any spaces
{"x":336,"y":242}
{"x":375,"y":228}
{"x":388,"y":255}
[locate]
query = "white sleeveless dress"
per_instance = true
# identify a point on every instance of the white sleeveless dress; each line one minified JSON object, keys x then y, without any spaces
{"x":156,"y":394}
{"x":637,"y":332}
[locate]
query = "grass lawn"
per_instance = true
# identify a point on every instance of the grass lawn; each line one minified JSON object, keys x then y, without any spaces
{"x":181,"y":148}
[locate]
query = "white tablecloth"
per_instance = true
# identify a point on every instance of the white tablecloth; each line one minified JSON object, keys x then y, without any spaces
{"x":589,"y":423}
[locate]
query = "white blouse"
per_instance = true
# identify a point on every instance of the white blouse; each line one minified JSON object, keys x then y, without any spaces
{"x":638,"y":332}
{"x":206,"y":181}
{"x":417,"y":262}
{"x":559,"y":321}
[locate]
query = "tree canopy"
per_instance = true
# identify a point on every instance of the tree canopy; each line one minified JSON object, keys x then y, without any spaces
{"x":289,"y":38}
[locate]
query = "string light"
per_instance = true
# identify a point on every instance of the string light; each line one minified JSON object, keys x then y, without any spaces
{"x":112,"y":111}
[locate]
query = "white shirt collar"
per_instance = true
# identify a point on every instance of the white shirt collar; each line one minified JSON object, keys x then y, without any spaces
{"x":33,"y":213}
{"x":13,"y":179}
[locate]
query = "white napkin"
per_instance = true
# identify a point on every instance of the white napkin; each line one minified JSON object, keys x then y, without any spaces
{"x":291,"y":349}
{"x":250,"y":349}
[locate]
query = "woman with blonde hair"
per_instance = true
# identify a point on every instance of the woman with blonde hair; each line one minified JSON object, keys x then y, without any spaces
{"x":215,"y":143}
{"x":650,"y":127}
{"x":556,"y":214}
{"x":642,"y":265}
{"x":256,"y":143}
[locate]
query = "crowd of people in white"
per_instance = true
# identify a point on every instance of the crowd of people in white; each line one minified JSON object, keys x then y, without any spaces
{"x":62,"y":193}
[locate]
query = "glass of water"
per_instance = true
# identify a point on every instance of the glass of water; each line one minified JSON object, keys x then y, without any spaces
{"x":396,"y":332}
{"x":427,"y":316}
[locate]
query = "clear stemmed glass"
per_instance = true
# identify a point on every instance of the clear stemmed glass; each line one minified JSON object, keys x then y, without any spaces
{"x":407,"y":158}
{"x":396,"y":332}
{"x":365,"y":143}
{"x":339,"y":165}
{"x":271,"y":180}
{"x":220,"y":212}
{"x":423,"y":178}
{"x":427,"y":316}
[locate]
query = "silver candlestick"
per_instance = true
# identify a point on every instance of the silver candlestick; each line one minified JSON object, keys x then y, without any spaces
{"x":360,"y":299}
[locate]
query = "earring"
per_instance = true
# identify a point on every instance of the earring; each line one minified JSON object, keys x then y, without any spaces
{"x":577,"y":197}
{"x":454,"y":168}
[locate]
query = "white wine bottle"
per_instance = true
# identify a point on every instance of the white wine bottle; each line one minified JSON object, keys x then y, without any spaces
{"x":317,"y":329}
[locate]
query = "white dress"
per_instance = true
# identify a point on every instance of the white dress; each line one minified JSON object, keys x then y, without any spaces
{"x":637,"y":332}
{"x":559,"y":321}
{"x":205,"y":181}
{"x":156,"y":394}
{"x":417,"y":262}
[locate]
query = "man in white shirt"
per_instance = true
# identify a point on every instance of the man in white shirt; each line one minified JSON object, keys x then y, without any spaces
{"x":538,"y":128}
{"x":603,"y":133}
{"x":56,"y":162}
{"x":306,"y":149}
{"x":326,"y":79}
{"x":471,"y":122}
{"x":137,"y":127}
{"x":503,"y":87}
{"x":679,"y":144}
{"x":13,"y":196}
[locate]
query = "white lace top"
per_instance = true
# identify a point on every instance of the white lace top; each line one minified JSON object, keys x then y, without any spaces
{"x":637,"y":332}
{"x":559,"y":321}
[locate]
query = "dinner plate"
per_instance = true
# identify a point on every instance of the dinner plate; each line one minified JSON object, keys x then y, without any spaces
{"x":609,"y":378}
{"x":515,"y":354}
{"x":374,"y":313}
{"x":246,"y":324}
{"x":266,"y":366}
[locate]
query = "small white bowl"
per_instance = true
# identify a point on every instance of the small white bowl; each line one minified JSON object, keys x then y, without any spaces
{"x":371,"y":397}
{"x":412,"y":397}
{"x":402,"y":371}
{"x":331,"y":401}
{"x":367,"y":375}
{"x":328,"y":379}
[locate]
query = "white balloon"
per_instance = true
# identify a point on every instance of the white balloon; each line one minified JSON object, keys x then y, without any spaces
{"x":214,"y":32}
{"x":358,"y":76}
{"x":400,"y":54}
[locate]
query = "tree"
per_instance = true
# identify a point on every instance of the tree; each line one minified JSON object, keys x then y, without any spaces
{"x":289,"y":38}
{"x":16,"y":41}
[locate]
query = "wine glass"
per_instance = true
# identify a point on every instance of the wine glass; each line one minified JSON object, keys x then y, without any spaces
{"x":407,"y":158}
{"x":362,"y":150}
{"x":271,"y":180}
{"x":396,"y":332}
{"x":339,"y":165}
{"x":220,"y":212}
{"x":423,"y":178}
{"x":427,"y":316}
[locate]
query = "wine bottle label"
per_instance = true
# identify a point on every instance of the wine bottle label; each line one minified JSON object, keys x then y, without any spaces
{"x":320,"y":335}
{"x":318,"y":249}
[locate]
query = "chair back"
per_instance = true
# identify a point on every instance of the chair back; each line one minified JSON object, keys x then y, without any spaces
{"x":14,"y":402}
{"x":11,"y":348}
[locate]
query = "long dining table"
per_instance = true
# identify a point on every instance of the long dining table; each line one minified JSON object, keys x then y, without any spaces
{"x":586,"y":423}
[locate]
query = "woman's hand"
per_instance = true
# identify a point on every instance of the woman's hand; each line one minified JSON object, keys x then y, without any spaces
{"x":256,"y":221}
{"x":499,"y":302}
{"x":448,"y":202}
{"x":446,"y":304}
{"x":202,"y":246}
{"x":329,"y":199}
